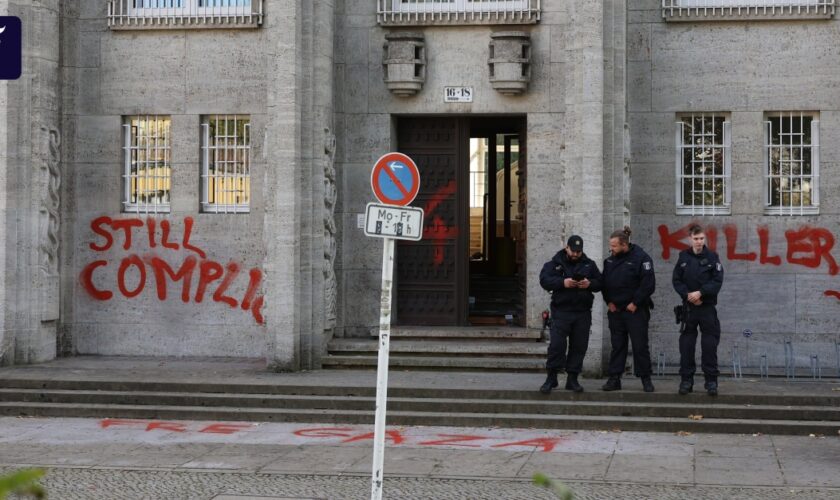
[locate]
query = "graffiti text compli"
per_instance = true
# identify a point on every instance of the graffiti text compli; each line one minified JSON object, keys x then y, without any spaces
{"x":151,"y":267}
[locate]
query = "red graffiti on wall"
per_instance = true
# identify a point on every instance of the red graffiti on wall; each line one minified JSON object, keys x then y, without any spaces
{"x":437,"y":230}
{"x":807,"y":246}
{"x":151,"y":267}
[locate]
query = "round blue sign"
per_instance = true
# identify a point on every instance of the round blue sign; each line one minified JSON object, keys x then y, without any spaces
{"x":395,"y":179}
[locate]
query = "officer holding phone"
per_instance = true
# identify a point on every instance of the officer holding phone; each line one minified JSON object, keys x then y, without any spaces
{"x":572,"y":278}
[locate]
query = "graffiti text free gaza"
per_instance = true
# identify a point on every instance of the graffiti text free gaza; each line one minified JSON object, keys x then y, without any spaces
{"x":206,"y":271}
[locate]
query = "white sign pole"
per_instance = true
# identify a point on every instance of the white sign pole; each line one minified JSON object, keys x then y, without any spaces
{"x":382,"y":369}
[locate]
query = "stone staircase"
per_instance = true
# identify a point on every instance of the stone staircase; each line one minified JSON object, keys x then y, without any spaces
{"x":484,"y":348}
{"x":741,"y":407}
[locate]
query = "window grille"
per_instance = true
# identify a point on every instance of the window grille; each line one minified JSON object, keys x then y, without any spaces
{"x":792,"y":163}
{"x":396,"y":12}
{"x":717,"y":10}
{"x":147,"y":173}
{"x":152,"y":14}
{"x":704,"y":165}
{"x":226,"y":164}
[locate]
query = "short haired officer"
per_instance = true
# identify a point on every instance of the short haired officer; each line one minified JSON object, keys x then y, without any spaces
{"x":698,"y":277}
{"x":629,"y":282}
{"x":572,"y":278}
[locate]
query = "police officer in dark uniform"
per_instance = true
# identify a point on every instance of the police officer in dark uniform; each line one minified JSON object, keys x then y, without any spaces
{"x":698,"y":277}
{"x":628,"y":284}
{"x":572,"y":278}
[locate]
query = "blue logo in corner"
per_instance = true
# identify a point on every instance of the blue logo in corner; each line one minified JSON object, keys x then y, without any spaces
{"x":11,"y":54}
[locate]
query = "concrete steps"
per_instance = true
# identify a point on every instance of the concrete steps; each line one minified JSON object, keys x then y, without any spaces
{"x":629,"y":410}
{"x":484,"y":348}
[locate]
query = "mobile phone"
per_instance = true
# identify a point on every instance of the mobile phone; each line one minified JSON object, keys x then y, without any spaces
{"x":578,"y":277}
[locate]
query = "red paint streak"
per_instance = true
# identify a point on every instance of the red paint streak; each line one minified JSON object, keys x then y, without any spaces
{"x":131,"y":260}
{"x":451,"y":439}
{"x":256,"y":310}
{"x":166,"y":426}
{"x":438,"y":231}
{"x":150,"y":227}
{"x":764,"y":244}
{"x":109,"y":422}
{"x":225,"y":428}
{"x":731,"y":232}
{"x":86,"y":278}
{"x":126,"y":225}
{"x":394,"y":436}
{"x":219,"y":296}
{"x":324,"y":432}
{"x":161,"y":269}
{"x":254,"y":279}
{"x":673,"y":240}
{"x":832,"y":293}
{"x":209,"y":271}
{"x":96,"y":227}
{"x":547,"y":444}
{"x":164,"y":240}
{"x":188,"y":225}
{"x":817,"y":242}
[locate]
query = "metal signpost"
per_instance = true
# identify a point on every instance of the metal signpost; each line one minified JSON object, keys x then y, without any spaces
{"x":395,"y":180}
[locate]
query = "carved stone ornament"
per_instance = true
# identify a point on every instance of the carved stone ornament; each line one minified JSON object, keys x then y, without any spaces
{"x":50,"y":205}
{"x":510,"y":61}
{"x":330,"y":196}
{"x":404,"y":61}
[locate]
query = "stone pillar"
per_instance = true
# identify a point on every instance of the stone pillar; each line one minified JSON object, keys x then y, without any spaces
{"x":31,"y":180}
{"x":300,"y":190}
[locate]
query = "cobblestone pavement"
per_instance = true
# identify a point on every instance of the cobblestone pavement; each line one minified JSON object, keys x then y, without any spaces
{"x":94,"y":484}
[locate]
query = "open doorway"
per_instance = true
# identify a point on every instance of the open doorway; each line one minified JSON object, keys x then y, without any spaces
{"x":468,"y":269}
{"x":495,"y":225}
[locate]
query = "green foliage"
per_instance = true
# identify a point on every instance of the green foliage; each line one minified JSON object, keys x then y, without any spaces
{"x":22,"y":482}
{"x":561,"y":490}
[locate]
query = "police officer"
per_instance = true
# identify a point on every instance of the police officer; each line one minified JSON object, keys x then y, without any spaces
{"x":698,"y":277}
{"x":572,"y":278}
{"x":628,"y":284}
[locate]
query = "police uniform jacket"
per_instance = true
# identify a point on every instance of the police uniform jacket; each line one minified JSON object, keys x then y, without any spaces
{"x":629,"y":277}
{"x":702,"y":271}
{"x":555,"y":271}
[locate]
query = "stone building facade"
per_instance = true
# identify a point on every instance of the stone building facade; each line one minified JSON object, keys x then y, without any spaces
{"x":186,"y":177}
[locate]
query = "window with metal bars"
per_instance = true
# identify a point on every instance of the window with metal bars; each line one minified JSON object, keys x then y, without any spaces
{"x":792,"y":163}
{"x":147,"y":171}
{"x":704,"y":165}
{"x":226,"y":164}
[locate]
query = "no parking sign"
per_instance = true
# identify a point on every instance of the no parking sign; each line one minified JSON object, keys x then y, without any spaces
{"x":395,"y":179}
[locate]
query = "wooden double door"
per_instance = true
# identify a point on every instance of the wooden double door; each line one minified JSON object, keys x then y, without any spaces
{"x":433,"y":275}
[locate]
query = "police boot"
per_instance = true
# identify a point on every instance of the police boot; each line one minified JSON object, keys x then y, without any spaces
{"x":572,"y":383}
{"x":711,"y":386}
{"x":647,"y":385}
{"x":550,"y":382}
{"x":686,"y":385}
{"x":613,"y":384}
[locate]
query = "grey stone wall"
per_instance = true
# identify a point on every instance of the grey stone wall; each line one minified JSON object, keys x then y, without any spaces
{"x":30,"y":179}
{"x":745,"y":69}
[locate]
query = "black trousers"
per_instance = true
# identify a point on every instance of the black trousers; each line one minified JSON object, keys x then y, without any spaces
{"x":705,"y":317}
{"x":625,"y":326}
{"x":570,"y":328}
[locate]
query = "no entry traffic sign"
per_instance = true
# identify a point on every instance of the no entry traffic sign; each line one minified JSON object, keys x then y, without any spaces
{"x":395,"y":179}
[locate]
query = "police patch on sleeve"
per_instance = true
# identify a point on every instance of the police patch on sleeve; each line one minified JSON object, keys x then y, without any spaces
{"x":647,"y":266}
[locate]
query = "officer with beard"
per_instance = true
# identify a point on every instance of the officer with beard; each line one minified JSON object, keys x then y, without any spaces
{"x":698,"y":277}
{"x":572,"y":278}
{"x":628,"y":284}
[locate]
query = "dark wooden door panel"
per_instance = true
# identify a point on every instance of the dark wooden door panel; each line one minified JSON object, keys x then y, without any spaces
{"x":430,"y":273}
